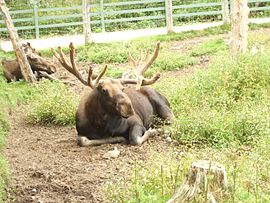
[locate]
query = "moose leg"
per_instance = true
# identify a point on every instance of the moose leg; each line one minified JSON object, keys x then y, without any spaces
{"x":138,"y":135}
{"x":43,"y":74}
{"x":165,"y":113}
{"x":84,"y":141}
{"x":9,"y":76}
{"x":163,"y":109}
{"x":162,"y":106}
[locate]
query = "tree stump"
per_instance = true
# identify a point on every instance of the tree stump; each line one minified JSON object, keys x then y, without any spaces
{"x":204,"y":180}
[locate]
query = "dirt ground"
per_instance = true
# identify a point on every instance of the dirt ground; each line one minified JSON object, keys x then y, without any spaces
{"x":48,"y":166}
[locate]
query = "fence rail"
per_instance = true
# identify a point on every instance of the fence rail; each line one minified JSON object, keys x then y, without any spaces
{"x":106,"y":15}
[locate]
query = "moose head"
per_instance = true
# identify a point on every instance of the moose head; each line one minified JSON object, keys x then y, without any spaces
{"x":37,"y":62}
{"x":39,"y":65}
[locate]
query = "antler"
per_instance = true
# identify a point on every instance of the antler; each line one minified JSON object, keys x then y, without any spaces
{"x":138,"y":68}
{"x":72,"y":68}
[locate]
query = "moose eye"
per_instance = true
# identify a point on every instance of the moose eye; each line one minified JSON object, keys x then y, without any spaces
{"x":104,"y":91}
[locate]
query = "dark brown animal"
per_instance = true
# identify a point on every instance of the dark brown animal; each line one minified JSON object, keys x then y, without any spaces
{"x":38,"y":64}
{"x":110,"y":112}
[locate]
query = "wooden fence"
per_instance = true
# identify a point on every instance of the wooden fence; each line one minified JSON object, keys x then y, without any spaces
{"x":105,"y":15}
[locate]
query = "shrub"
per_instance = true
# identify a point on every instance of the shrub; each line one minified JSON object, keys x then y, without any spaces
{"x":56,"y":105}
{"x":229,"y":102}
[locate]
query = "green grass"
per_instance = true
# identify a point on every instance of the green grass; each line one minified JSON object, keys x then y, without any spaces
{"x":227,"y":103}
{"x":225,"y":108}
{"x":223,"y":114}
{"x":7,"y":55}
{"x":57,"y":106}
{"x":10,"y":95}
{"x":209,"y":47}
{"x":50,"y":95}
{"x":153,"y":181}
{"x":156,"y":179}
{"x":117,"y":52}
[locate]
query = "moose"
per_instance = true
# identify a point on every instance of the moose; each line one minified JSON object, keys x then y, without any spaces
{"x":114,"y":110}
{"x":40,"y":66}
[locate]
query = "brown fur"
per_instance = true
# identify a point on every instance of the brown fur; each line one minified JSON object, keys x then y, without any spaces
{"x":112,"y":110}
{"x":12,"y":71}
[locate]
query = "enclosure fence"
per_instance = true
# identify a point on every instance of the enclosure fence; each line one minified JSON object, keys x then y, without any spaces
{"x":101,"y":16}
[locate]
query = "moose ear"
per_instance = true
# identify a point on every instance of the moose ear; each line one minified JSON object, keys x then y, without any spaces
{"x":101,"y":84}
{"x":32,"y":57}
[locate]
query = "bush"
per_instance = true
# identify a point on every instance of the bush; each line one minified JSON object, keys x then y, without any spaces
{"x":227,"y":103}
{"x":56,"y":105}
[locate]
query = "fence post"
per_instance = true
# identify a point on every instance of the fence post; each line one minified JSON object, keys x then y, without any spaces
{"x":86,"y":22}
{"x":225,"y":11}
{"x":169,"y":17}
{"x":102,"y":15}
{"x":36,"y":20}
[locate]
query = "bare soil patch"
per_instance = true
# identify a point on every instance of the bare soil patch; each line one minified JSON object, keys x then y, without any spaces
{"x":48,"y":166}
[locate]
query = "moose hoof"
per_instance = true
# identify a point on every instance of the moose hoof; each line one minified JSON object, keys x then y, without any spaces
{"x":82,"y":141}
{"x":152,"y":132}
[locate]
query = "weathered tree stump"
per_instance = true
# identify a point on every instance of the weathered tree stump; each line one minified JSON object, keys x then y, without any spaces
{"x":204,"y":180}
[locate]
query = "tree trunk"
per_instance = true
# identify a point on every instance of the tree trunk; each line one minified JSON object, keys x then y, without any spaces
{"x":239,"y":27}
{"x":204,"y":181}
{"x":17,"y":46}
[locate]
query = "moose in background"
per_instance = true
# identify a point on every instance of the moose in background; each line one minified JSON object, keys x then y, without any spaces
{"x":116,"y":110}
{"x":40,"y":66}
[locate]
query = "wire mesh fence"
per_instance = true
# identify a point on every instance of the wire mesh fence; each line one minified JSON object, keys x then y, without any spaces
{"x":38,"y":18}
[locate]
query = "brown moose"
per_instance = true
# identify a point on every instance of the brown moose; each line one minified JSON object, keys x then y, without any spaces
{"x":112,"y":112}
{"x":40,"y":66}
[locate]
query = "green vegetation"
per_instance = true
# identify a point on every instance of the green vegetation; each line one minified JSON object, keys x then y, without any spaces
{"x":50,"y":96}
{"x":222,"y":114}
{"x":210,"y":47}
{"x":228,"y":103}
{"x":10,"y":95}
{"x":153,"y":181}
{"x":57,"y":106}
{"x":156,"y":180}
{"x":225,"y":111}
{"x":117,"y":52}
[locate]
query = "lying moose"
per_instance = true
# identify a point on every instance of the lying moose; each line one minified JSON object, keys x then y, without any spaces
{"x":40,"y":66}
{"x":112,"y":110}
